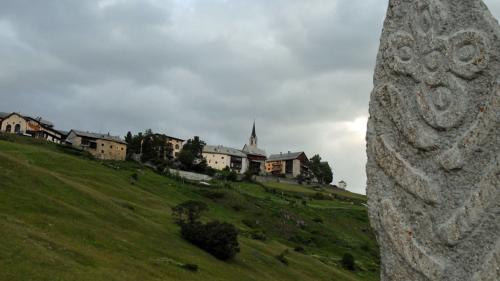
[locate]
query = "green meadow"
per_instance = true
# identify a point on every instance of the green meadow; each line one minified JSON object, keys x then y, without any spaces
{"x":65,"y":216}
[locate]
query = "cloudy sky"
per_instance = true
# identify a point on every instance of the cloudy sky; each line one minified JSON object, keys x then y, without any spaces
{"x":301,"y":68}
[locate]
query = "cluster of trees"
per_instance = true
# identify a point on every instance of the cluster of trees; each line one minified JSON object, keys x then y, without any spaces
{"x":156,"y":148}
{"x":227,"y":174}
{"x":321,"y":170}
{"x":217,"y":238}
{"x":152,"y":147}
{"x":191,"y":156}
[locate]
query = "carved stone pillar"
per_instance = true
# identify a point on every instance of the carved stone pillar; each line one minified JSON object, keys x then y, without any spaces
{"x":434,"y":142}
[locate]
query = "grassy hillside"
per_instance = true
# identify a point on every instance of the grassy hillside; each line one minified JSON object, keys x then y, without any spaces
{"x":67,"y":217}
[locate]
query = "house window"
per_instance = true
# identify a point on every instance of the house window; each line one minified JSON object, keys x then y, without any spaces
{"x":289,"y":166}
{"x":8,"y":129}
{"x":111,"y":146}
{"x":102,"y":151}
{"x":17,"y":128}
{"x":102,"y":144}
{"x":177,"y":146}
{"x":222,"y":157}
{"x":122,"y":148}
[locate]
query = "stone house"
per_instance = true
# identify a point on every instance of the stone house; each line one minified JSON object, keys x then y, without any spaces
{"x":101,"y":146}
{"x":39,"y":128}
{"x":220,"y":157}
{"x":176,"y":145}
{"x":289,"y":164}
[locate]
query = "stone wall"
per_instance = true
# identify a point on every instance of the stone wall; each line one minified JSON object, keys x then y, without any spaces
{"x":109,"y":150}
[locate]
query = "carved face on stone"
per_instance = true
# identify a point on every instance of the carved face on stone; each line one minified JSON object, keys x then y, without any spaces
{"x":438,"y":63}
{"x":433,"y":142}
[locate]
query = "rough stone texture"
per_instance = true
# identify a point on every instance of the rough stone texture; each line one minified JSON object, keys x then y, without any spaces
{"x":433,"y":142}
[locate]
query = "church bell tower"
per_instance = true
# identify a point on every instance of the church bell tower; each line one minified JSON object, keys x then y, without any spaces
{"x":253,"y":137}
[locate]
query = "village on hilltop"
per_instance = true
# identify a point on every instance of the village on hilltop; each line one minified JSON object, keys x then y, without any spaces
{"x":251,"y":159}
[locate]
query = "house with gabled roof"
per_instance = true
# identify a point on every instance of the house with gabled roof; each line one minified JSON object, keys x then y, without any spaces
{"x":35,"y":127}
{"x":290,"y":164}
{"x":220,"y":157}
{"x":101,"y":146}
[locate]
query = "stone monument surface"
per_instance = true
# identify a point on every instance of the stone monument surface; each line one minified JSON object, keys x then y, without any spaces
{"x":433,"y":142}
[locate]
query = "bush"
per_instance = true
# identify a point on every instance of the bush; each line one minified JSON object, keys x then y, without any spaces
{"x":209,"y":171}
{"x":348,"y":262}
{"x":301,"y":178}
{"x":319,"y":196}
{"x":248,"y":175}
{"x":250,"y":223}
{"x":135,"y":176}
{"x":302,"y":239}
{"x":318,"y":220}
{"x":190,"y":267}
{"x":299,"y":249}
{"x":237,"y":207}
{"x":188,"y":212}
{"x":217,"y":238}
{"x":227,"y":174}
{"x":258,"y":235}
{"x":211,"y":194}
{"x":282,"y":258}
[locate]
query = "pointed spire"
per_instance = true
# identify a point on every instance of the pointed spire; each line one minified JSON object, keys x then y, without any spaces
{"x":253,"y":137}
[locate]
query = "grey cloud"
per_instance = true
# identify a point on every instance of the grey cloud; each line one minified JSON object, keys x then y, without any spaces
{"x":343,"y":38}
{"x":301,"y":68}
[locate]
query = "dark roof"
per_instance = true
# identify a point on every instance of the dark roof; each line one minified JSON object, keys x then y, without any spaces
{"x":174,"y":138}
{"x":42,"y":121}
{"x":219,"y":149}
{"x":253,"y":130}
{"x":285,"y":156}
{"x":45,"y":123}
{"x":170,"y":137}
{"x":64,"y":133}
{"x":98,"y":136}
{"x":253,"y":151}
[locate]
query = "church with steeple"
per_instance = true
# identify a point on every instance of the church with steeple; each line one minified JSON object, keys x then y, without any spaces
{"x":256,"y":156}
{"x":253,"y":137}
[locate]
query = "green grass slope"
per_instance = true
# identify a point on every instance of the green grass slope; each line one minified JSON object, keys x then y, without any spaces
{"x":67,"y":217}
